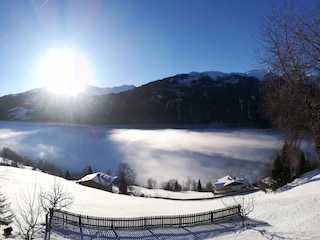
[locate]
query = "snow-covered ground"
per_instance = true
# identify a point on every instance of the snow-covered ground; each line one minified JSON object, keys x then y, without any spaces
{"x":293,"y":213}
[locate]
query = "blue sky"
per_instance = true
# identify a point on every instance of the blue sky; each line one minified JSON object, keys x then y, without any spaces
{"x":127,"y":41}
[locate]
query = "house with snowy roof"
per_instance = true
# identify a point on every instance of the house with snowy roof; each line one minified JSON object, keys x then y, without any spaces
{"x":98,"y":180}
{"x":229,"y":184}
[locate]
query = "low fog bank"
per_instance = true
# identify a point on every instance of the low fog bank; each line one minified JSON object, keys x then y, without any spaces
{"x":163,"y":154}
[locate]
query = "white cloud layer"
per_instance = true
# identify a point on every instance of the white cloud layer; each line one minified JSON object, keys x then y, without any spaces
{"x":159,"y":153}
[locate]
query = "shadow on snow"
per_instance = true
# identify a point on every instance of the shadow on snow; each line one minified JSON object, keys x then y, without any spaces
{"x":201,"y":231}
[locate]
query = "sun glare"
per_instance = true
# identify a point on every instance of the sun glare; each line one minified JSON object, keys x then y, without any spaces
{"x":65,"y":71}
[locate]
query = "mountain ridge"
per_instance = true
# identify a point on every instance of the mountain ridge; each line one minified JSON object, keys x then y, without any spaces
{"x":195,"y":98}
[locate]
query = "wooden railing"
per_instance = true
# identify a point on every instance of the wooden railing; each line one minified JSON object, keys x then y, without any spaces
{"x":143,"y":222}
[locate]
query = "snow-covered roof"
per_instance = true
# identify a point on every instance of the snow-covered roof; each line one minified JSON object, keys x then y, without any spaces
{"x":227,"y":180}
{"x":98,"y":177}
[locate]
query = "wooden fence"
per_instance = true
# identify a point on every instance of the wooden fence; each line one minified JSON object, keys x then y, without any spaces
{"x":142,"y":222}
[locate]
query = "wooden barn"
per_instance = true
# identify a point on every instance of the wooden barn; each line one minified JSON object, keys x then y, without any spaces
{"x":98,"y":180}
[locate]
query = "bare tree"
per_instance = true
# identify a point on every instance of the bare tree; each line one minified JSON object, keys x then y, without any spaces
{"x":55,"y":198}
{"x":209,"y":187}
{"x":290,"y":44}
{"x":247,"y":203}
{"x":187,"y":184}
{"x":126,"y":176}
{"x":151,"y":183}
{"x":6,"y":214}
{"x":28,"y":219}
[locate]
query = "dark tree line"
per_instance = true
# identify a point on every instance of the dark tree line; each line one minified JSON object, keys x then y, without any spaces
{"x":190,"y":185}
{"x":8,"y":153}
{"x":289,"y":163}
{"x":44,"y":165}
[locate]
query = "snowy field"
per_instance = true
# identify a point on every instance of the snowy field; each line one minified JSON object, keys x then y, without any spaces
{"x":293,"y":213}
{"x":204,"y":153}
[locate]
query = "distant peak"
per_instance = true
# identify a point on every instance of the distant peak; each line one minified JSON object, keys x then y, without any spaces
{"x":102,"y":91}
{"x":214,"y":75}
{"x":257,"y":73}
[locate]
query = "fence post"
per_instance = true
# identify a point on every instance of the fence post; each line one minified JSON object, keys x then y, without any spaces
{"x":79,"y":219}
{"x":239,"y":210}
{"x":241,"y":214}
{"x":211,"y":216}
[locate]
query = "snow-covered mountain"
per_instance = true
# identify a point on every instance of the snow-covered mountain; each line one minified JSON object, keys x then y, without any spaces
{"x":103,"y":91}
{"x":195,"y":98}
{"x":214,"y":98}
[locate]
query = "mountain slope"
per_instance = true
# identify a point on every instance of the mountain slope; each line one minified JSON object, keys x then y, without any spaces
{"x":195,"y":98}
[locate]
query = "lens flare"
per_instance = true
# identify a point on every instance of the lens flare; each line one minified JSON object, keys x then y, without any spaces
{"x":65,"y":71}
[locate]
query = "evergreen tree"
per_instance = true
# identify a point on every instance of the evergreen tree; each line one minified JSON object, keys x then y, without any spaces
{"x":199,"y":187}
{"x":6,"y":214}
{"x":87,"y":170}
{"x":304,"y":165}
{"x":177,"y":186}
{"x":288,"y":164}
{"x":67,"y":175}
{"x":90,"y":171}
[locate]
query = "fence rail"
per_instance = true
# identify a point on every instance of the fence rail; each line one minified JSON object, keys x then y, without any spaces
{"x":151,"y":221}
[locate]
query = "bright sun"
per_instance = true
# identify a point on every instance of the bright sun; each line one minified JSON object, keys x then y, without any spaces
{"x":65,"y":71}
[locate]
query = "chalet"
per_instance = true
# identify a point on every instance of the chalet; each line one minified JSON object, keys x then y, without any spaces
{"x":98,"y":180}
{"x":229,"y":184}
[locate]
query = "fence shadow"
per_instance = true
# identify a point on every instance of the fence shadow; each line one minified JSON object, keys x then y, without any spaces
{"x":200,"y":231}
{"x":148,"y":221}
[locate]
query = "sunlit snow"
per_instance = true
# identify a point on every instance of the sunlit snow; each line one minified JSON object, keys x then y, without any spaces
{"x":291,"y":214}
